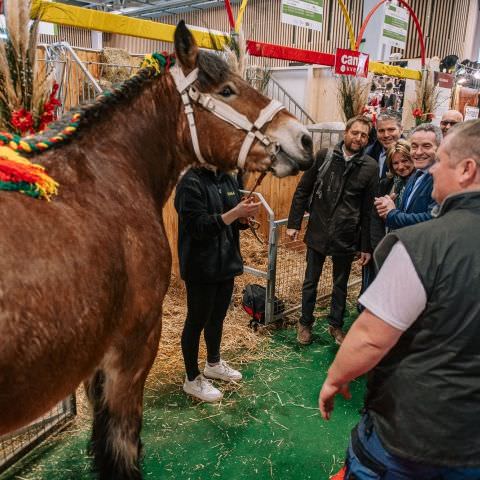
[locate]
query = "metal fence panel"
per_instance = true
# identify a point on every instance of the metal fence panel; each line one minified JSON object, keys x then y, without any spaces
{"x":324,"y":137}
{"x":15,"y":445}
{"x":285,"y":270}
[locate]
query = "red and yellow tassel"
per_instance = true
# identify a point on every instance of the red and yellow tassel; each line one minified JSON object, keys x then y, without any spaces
{"x":17,"y":173}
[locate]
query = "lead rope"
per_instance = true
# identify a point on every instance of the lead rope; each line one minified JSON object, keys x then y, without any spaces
{"x":253,"y":224}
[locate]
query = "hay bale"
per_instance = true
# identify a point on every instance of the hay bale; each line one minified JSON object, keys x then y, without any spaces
{"x":119,"y":66}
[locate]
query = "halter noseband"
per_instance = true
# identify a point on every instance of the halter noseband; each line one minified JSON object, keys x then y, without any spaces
{"x":188,"y":92}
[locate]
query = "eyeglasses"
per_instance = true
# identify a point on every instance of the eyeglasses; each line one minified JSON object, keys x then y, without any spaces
{"x":447,"y":122}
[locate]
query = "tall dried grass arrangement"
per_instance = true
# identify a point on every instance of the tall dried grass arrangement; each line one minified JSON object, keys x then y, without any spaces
{"x":427,"y":98}
{"x":259,"y":77}
{"x":235,"y":52}
{"x":21,"y":86}
{"x":352,"y":96}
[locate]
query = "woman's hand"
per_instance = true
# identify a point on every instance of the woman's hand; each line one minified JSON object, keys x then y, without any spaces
{"x":245,"y":209}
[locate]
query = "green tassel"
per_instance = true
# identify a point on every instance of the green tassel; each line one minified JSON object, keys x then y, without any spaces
{"x":27,"y":188}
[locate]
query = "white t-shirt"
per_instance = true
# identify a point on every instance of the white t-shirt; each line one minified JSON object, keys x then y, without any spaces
{"x":397,"y":295}
{"x":345,"y":156}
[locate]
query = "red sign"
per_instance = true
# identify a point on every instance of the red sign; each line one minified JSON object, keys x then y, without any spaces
{"x":349,"y":62}
{"x":443,"y":80}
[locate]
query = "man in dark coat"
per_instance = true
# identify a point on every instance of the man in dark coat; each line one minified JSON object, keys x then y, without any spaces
{"x":338,"y":193}
{"x":418,"y":337}
{"x":389,"y":130}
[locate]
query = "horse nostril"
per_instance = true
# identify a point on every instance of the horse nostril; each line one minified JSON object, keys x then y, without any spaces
{"x":307,"y":143}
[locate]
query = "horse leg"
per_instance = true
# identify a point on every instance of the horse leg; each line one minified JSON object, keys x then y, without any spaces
{"x":116,"y":393}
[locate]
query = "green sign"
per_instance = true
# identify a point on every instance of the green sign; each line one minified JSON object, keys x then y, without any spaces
{"x":303,"y":13}
{"x":395,"y":26}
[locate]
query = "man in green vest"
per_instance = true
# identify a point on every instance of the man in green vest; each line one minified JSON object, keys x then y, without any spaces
{"x":419,"y":337}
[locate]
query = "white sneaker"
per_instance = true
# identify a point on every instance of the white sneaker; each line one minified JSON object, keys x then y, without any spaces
{"x":222,"y":371}
{"x":203,"y":389}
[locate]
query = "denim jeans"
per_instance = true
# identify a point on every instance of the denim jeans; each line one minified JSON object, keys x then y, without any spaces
{"x":342,"y":265}
{"x":367,"y":459}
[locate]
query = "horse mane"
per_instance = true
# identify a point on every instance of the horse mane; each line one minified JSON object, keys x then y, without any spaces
{"x":212,"y":70}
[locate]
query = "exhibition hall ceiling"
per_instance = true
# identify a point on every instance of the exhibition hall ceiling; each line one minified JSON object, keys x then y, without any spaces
{"x":147,"y":8}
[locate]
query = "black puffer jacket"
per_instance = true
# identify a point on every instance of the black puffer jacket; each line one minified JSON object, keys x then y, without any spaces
{"x":208,"y":250}
{"x":340,"y":220}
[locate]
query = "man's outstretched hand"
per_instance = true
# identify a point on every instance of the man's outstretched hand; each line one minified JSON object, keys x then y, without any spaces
{"x":327,"y":397}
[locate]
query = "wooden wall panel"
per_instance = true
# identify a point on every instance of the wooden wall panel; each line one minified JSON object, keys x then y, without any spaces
{"x":444,"y":24}
{"x":170,"y":219}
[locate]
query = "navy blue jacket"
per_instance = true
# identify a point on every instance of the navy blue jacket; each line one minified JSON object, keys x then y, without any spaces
{"x":420,"y":206}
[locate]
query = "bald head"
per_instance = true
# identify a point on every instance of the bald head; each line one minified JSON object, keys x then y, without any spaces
{"x":462,"y":142}
{"x":450,"y":118}
{"x":457,"y":166}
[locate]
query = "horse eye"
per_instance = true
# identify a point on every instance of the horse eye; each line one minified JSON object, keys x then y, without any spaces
{"x":227,"y":92}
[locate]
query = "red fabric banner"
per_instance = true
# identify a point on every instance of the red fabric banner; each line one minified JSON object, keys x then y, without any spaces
{"x":259,"y":49}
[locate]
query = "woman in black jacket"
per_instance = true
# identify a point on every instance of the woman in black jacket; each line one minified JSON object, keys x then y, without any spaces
{"x":210,"y":215}
{"x":400,"y":168}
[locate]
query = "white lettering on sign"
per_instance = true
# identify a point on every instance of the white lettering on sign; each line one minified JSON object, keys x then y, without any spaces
{"x":349,"y":62}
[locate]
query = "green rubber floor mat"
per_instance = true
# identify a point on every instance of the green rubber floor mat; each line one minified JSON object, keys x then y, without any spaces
{"x":267,"y":428}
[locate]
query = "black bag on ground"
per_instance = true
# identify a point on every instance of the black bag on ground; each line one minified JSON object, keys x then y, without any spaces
{"x":253,"y":303}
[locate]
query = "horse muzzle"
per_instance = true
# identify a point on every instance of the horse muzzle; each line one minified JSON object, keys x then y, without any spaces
{"x":295,"y":148}
{"x":284,"y":165}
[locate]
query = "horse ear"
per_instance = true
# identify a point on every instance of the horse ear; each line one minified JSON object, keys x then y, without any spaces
{"x":186,"y":48}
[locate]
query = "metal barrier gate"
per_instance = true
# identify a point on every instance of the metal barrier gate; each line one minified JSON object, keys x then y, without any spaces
{"x":285,"y":269}
{"x":15,"y":445}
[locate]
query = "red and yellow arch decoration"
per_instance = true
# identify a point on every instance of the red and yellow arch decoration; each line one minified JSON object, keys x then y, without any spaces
{"x":415,"y":21}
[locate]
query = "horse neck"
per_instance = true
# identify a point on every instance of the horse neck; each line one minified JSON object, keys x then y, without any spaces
{"x":147,"y":137}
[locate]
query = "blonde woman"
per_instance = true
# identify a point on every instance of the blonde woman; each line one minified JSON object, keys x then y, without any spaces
{"x":400,"y":167}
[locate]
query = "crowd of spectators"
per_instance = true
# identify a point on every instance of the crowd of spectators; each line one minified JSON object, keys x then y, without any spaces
{"x":357,"y":193}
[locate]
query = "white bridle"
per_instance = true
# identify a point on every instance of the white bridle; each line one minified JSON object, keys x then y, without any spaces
{"x":188,"y":92}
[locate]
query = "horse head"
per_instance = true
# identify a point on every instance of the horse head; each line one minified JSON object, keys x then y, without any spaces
{"x":252,"y":131}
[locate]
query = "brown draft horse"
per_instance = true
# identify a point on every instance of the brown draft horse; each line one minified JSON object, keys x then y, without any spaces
{"x":82,"y":278}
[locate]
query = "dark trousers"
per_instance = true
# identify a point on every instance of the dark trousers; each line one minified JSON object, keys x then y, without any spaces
{"x":342,"y":265}
{"x":207,"y":306}
{"x":368,"y":276}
